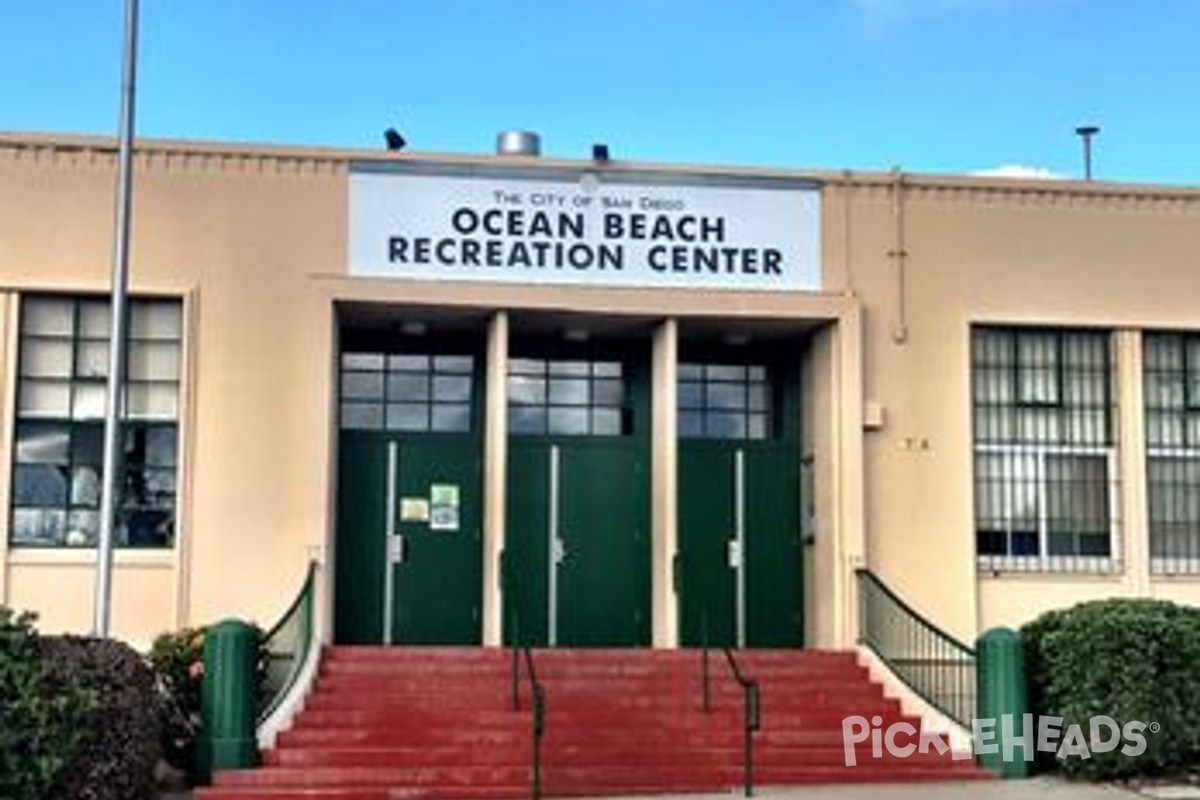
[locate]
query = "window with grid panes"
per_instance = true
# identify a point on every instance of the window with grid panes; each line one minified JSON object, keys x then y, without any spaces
{"x":59,"y":428}
{"x":1171,"y":373}
{"x":407,"y":392}
{"x":724,"y":401}
{"x":567,"y":397}
{"x":1045,"y":455}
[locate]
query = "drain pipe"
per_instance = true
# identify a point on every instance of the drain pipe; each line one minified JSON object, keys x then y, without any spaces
{"x":899,"y":256}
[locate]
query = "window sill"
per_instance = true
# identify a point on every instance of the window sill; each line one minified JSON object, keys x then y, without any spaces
{"x":1173,"y":569}
{"x":1083,"y":567}
{"x":163,"y":558}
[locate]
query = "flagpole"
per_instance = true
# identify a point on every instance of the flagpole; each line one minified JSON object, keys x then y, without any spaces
{"x":110,"y":493}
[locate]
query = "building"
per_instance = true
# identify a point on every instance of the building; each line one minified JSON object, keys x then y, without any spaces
{"x":595,"y":402}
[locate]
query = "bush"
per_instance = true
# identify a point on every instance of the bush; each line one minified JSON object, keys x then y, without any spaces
{"x":41,"y":723}
{"x":178,"y":660}
{"x":1131,"y":660}
{"x":119,"y":749}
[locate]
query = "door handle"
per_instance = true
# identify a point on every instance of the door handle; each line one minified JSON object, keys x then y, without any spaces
{"x":397,"y":550}
{"x":733,"y":553}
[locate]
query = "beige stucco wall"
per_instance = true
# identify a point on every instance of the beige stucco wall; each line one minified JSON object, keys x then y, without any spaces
{"x":235,"y":237}
{"x":254,"y":241}
{"x":1052,"y":254}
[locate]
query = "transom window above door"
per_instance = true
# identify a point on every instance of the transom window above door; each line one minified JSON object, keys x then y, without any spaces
{"x":567,"y":397}
{"x":724,"y":401}
{"x":407,"y":392}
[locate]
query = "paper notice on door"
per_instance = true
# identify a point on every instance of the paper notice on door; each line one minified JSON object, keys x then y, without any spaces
{"x":443,"y":507}
{"x":414,"y":509}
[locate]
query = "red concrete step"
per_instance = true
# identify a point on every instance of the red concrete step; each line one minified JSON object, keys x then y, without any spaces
{"x":364,"y":793}
{"x":513,"y":754}
{"x":708,"y":736}
{"x":403,"y":736}
{"x":387,"y":776}
{"x":852,"y":700}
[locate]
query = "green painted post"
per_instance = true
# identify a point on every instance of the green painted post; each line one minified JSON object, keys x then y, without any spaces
{"x":227,"y":738}
{"x":1002,"y":722}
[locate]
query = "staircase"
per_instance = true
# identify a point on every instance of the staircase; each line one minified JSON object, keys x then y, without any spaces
{"x":392,"y":724}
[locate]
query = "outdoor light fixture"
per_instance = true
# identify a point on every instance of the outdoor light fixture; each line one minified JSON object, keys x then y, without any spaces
{"x":600,"y":152}
{"x":413,"y":327}
{"x":576,"y":334}
{"x":395,"y":142}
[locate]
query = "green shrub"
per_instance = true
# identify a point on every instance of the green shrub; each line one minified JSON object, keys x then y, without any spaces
{"x":178,"y":660}
{"x":1131,"y":660}
{"x":42,"y":723}
{"x":120,"y":749}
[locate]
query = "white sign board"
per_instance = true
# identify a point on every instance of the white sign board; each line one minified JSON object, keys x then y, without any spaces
{"x":584,"y":232}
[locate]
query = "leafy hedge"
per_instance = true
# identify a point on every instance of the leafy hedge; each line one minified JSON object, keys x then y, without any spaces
{"x":79,"y":717}
{"x":178,"y":659}
{"x":116,"y":757}
{"x":1130,"y":660}
{"x":42,"y":722}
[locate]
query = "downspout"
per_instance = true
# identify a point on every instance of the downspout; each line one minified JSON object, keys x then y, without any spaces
{"x":899,"y":256}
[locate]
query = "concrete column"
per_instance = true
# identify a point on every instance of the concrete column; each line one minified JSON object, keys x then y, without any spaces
{"x":850,"y":536}
{"x":495,"y":472}
{"x":664,"y":472}
{"x":1133,"y":509}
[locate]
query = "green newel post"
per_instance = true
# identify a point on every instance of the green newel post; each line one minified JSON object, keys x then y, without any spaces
{"x":227,"y":738}
{"x":1004,"y":734}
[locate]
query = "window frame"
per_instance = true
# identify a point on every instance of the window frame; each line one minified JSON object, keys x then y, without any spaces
{"x":1163,"y":365}
{"x":438,"y":365}
{"x":1007,"y":433}
{"x":745,"y":412}
{"x":78,"y":428}
{"x":561,"y":370}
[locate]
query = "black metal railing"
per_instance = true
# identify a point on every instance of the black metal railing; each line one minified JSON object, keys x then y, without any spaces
{"x":934,"y":664}
{"x":751,"y":705}
{"x":285,"y":646}
{"x":537,"y":703}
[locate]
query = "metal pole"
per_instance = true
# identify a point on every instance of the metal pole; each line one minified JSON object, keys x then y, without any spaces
{"x":1086,"y":132}
{"x":111,"y":489}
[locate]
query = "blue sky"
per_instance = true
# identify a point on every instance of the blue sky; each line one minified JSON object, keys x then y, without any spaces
{"x":928,"y":85}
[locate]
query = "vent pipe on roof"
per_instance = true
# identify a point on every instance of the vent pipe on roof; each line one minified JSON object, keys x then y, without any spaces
{"x":518,"y":143}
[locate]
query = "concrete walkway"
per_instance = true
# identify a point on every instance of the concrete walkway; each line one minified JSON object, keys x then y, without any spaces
{"x":1033,"y":789}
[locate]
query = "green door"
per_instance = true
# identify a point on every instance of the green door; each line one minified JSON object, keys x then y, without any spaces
{"x":409,"y":549}
{"x":739,"y":562}
{"x":577,"y":545}
{"x":706,"y":527}
{"x":577,"y":552}
{"x":739,"y":543}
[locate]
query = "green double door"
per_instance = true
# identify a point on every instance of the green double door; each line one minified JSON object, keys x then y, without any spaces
{"x":739,"y":543}
{"x":409,"y":553}
{"x":577,"y":553}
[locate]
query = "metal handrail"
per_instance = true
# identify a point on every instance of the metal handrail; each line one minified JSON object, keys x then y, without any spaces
{"x":934,"y":664}
{"x":751,"y":705}
{"x":284,"y":646}
{"x":537,"y":694}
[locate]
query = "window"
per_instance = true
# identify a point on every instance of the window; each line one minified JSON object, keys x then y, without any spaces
{"x":724,"y":401}
{"x":1045,"y":460}
{"x":1171,"y":371}
{"x":58,"y":454}
{"x":567,"y":398}
{"x":407,"y":392}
